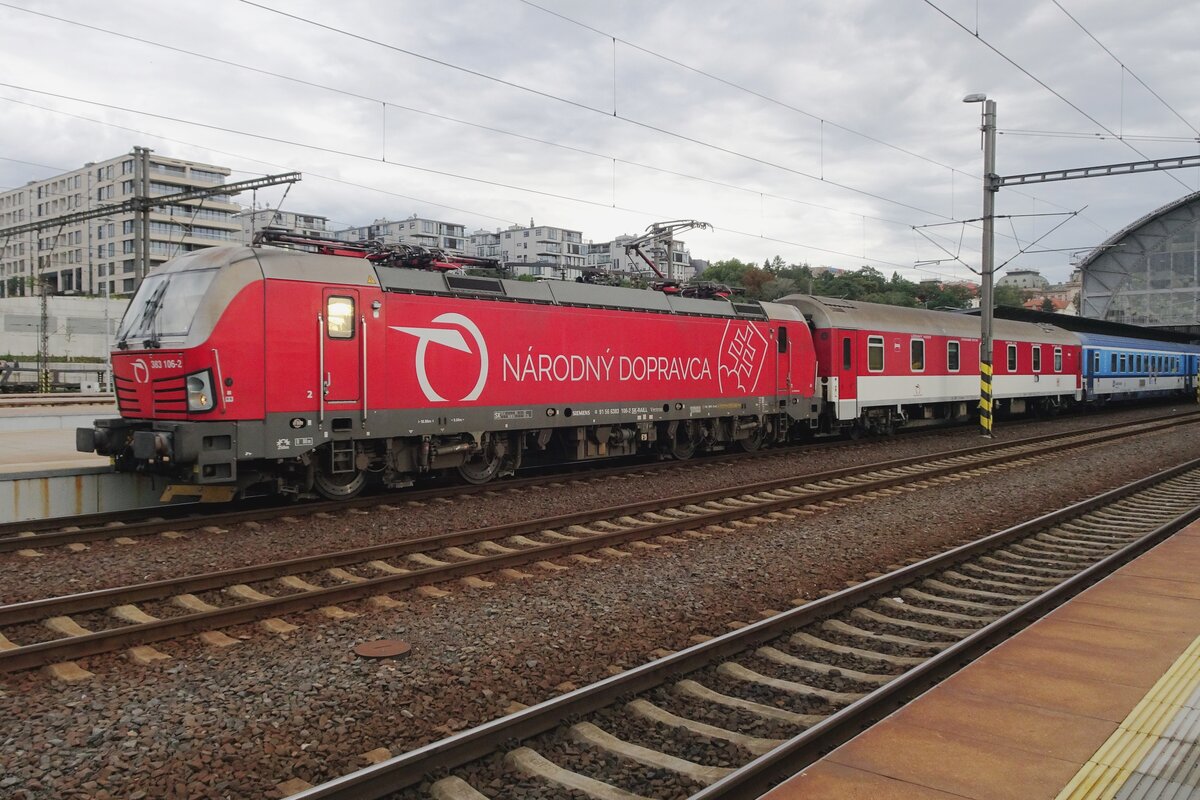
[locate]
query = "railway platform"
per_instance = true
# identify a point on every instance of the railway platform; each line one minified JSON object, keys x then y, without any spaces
{"x":43,"y":475}
{"x":1098,"y":700}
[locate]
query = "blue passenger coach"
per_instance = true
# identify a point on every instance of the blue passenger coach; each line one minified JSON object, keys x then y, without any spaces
{"x":1121,"y":368}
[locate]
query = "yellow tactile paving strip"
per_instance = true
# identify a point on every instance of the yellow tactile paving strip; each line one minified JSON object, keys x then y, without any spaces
{"x":1107,"y":771}
{"x":1019,"y":722}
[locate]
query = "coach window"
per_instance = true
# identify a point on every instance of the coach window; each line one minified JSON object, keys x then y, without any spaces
{"x":1037,"y":358}
{"x":916,"y":349}
{"x":781,"y":342}
{"x":339,"y":317}
{"x":952,"y":356}
{"x":846,"y":352}
{"x":1058,"y":359}
{"x":875,"y":354}
{"x":1121,"y":364}
{"x":1012,"y":358}
{"x":1113,"y":366}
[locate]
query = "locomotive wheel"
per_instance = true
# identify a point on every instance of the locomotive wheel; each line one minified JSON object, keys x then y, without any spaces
{"x":683,"y":444}
{"x":483,"y":467}
{"x":341,"y":486}
{"x":490,"y":461}
{"x":755,"y":441}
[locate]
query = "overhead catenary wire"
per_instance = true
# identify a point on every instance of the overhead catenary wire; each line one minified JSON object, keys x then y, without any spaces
{"x":1044,"y":85}
{"x":1095,"y":135}
{"x":643,"y":165}
{"x":375,"y":159}
{"x":680,"y":174}
{"x":1125,"y":67}
{"x":586,"y":107}
{"x":497,"y":130}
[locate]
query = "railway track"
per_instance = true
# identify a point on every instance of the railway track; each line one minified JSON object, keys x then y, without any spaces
{"x":728,"y":717}
{"x":83,"y":529}
{"x":57,"y":531}
{"x":41,"y":632}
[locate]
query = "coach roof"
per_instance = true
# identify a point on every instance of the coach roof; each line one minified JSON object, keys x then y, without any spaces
{"x":832,"y":312}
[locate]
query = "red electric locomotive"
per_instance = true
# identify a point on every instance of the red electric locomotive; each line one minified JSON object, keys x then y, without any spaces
{"x":246,"y":370}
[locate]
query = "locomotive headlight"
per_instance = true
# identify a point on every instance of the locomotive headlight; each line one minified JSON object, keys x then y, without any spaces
{"x":199,"y":391}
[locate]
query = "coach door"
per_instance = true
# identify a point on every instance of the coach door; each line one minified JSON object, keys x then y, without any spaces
{"x":844,"y":360}
{"x":341,"y":350}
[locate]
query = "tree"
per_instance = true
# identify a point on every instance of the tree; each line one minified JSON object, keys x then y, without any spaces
{"x":729,"y":271}
{"x":1008,"y":296}
{"x":1048,"y":305}
{"x":778,"y":287}
{"x":953,"y":296}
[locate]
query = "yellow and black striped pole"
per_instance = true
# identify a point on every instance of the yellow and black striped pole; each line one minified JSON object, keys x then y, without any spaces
{"x":985,"y":399}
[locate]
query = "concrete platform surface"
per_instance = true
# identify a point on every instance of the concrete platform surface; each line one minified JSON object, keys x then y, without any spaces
{"x":42,"y":475}
{"x":29,"y":418}
{"x":1098,"y":700}
{"x":25,"y":452}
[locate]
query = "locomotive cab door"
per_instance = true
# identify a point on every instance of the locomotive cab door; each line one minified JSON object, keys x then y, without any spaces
{"x":341,"y":348}
{"x":783,"y":362}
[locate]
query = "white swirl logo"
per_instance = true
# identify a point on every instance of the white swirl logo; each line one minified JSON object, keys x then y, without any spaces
{"x":141,"y":372}
{"x":452,"y":338}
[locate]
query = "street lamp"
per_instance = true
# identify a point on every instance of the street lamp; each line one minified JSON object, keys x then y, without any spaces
{"x":987,"y":268}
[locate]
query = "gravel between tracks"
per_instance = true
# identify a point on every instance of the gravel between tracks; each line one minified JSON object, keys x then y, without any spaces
{"x":234,"y":722}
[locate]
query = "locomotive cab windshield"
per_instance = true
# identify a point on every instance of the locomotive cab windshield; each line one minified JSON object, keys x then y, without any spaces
{"x":164,"y":305}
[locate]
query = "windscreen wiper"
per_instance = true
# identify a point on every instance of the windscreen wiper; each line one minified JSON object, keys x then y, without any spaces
{"x":149,"y":312}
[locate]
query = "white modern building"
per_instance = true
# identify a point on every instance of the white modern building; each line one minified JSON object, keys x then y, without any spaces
{"x":541,"y":251}
{"x":254,"y":221}
{"x":612,"y":257}
{"x":100,"y":255}
{"x":432,"y":234}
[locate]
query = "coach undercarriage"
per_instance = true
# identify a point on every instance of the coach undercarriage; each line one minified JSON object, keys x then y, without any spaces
{"x":886,"y":420}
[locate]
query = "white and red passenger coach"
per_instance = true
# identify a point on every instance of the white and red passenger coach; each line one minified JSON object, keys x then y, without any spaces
{"x":885,"y":366}
{"x":259,"y":369}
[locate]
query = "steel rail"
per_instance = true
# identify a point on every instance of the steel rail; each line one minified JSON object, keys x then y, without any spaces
{"x":96,"y":527}
{"x":34,"y":655}
{"x":410,"y":768}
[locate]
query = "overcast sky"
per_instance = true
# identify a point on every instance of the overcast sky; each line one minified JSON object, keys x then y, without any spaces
{"x":818,"y":131}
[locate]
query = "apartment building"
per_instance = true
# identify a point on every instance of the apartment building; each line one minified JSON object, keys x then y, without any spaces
{"x":612,"y":257}
{"x":100,"y":255}
{"x":254,"y":221}
{"x":429,"y":233}
{"x":542,"y":251}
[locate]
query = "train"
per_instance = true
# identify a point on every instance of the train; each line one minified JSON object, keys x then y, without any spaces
{"x":243,"y":371}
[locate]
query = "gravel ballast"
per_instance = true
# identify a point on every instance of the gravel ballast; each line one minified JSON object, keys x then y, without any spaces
{"x":234,"y":722}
